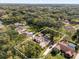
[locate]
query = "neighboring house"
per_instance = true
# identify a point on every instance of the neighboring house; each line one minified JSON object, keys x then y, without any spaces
{"x":28,"y":33}
{"x":20,"y":29}
{"x":19,"y":24}
{"x":66,"y":22}
{"x":2,"y":12}
{"x":67,"y":48}
{"x":42,"y":40}
{"x":1,"y":26}
{"x":69,"y":28}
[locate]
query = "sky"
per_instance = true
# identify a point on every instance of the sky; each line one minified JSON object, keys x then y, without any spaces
{"x":41,"y":1}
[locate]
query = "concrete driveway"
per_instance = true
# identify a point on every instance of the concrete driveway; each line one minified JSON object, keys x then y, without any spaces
{"x":77,"y":56}
{"x":48,"y":50}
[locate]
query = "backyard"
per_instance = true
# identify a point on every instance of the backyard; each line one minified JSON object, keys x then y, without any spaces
{"x":30,"y":49}
{"x":58,"y":56}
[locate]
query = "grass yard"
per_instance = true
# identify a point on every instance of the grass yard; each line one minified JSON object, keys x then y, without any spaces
{"x":75,"y":20}
{"x":52,"y":34}
{"x":30,"y":49}
{"x":58,"y":56}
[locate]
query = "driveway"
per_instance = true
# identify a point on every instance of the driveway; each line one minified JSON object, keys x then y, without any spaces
{"x":49,"y":49}
{"x":77,"y":57}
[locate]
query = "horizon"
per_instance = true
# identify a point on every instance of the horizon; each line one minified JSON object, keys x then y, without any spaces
{"x":39,"y":2}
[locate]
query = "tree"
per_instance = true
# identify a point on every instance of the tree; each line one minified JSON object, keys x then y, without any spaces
{"x":55,"y":51}
{"x":13,"y":34}
{"x":30,"y":49}
{"x":76,"y":36}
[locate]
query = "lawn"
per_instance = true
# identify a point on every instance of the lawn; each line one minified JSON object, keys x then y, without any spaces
{"x":52,"y":34}
{"x":30,"y":49}
{"x":75,"y":20}
{"x":58,"y":56}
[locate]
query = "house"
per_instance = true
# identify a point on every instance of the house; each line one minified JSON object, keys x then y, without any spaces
{"x":23,"y":30}
{"x":67,"y":48}
{"x":2,"y":12}
{"x":41,"y":40}
{"x":66,"y":22}
{"x":20,"y":29}
{"x":1,"y":27}
{"x":28,"y":33}
{"x":19,"y":24}
{"x":69,"y":28}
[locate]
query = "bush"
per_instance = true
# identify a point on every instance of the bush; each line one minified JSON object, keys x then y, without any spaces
{"x":55,"y":51}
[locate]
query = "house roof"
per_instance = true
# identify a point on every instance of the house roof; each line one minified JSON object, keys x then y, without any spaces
{"x":68,"y":27}
{"x":69,"y":52}
{"x":71,"y":45}
{"x":68,"y":48}
{"x":42,"y":40}
{"x":66,"y":21}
